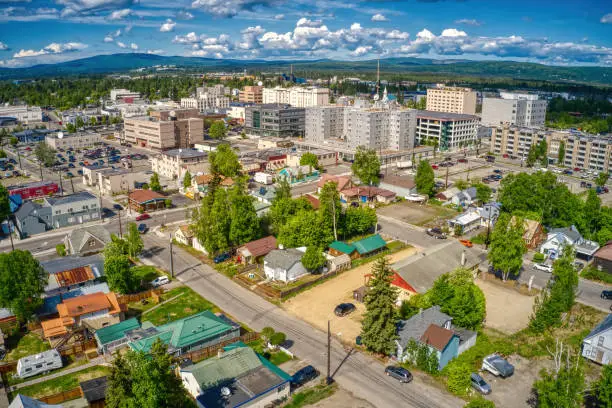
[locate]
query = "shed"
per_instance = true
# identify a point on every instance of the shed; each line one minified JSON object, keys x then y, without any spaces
{"x":370,"y":245}
{"x":338,"y":248}
{"x":112,"y":337}
{"x":339,"y":263}
{"x":94,"y":391}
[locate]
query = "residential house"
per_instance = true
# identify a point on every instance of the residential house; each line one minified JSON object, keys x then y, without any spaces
{"x":116,"y":181}
{"x":184,"y":335}
{"x":264,"y":195}
{"x":359,"y":249}
{"x":184,"y":235}
{"x":94,"y":391}
{"x":342,"y":182}
{"x":92,"y":311}
{"x":32,"y":218}
{"x":173,"y":164}
{"x":298,"y":174}
{"x":534,"y":233}
{"x":465,"y":222}
{"x":114,"y":337}
{"x":417,"y":273}
{"x":314,"y":201}
{"x":447,"y":195}
{"x":87,"y":240}
{"x":22,"y":401}
{"x":195,"y":243}
{"x":597,"y":345}
{"x":489,"y":213}
{"x":236,"y":377}
{"x":602,"y":259}
{"x":6,"y":317}
{"x":73,"y":209}
{"x":339,"y":248}
{"x":367,"y":194}
{"x":284,"y":265}
{"x":72,"y":272}
{"x":50,"y":303}
{"x":200,"y":183}
{"x":433,"y":328}
{"x":402,"y":186}
{"x":465,"y":197}
{"x":558,"y":238}
{"x":146,"y":200}
{"x":251,"y":251}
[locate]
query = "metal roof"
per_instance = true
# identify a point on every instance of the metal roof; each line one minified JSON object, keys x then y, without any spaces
{"x":342,"y":247}
{"x":605,"y":325}
{"x":283,"y":258}
{"x":115,"y":332}
{"x":72,"y":198}
{"x":369,"y":244}
{"x":415,"y":327}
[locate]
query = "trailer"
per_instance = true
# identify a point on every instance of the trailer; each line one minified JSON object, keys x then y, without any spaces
{"x":263,"y":178}
{"x":39,"y":363}
{"x":407,"y":164}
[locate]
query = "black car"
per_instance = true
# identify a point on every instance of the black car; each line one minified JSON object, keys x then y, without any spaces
{"x":606,"y":294}
{"x":436,"y":233}
{"x":117,"y":207}
{"x":343,"y":309}
{"x":399,"y":373}
{"x":142,"y":228}
{"x":304,"y":375}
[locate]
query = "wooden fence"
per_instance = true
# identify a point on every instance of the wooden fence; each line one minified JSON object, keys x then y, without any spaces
{"x":201,"y":354}
{"x":8,"y":366}
{"x":135,"y":297}
{"x":77,"y":347}
{"x":62,"y":396}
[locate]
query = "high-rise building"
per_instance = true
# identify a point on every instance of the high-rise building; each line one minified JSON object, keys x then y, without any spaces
{"x":300,"y":97}
{"x":449,"y":131}
{"x":517,"y":109}
{"x":180,"y":128}
{"x":324,"y":122}
{"x":451,"y":100}
{"x":274,"y":120}
{"x":252,"y":94}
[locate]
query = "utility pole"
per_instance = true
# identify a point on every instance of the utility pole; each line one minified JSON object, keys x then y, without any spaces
{"x":41,"y":173}
{"x":10,"y":232}
{"x":100,"y":199}
{"x":120,"y":228}
{"x":171,"y":259}
{"x":19,"y":158}
{"x":61,"y":185}
{"x":72,"y":184}
{"x":488,"y":228}
{"x":328,"y":379}
{"x":446,"y":182}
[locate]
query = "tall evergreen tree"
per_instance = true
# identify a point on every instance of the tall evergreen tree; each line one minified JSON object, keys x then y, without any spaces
{"x":220,"y":223}
{"x":378,"y":330}
{"x":187,"y":179}
{"x":154,"y":185}
{"x":561,"y":154}
{"x":245,"y":225}
{"x":133,"y":240}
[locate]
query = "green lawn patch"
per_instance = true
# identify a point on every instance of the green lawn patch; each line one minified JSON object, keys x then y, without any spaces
{"x":227,"y":268}
{"x":592,"y":273}
{"x":63,"y":383}
{"x":311,"y":395}
{"x":278,"y":357}
{"x":186,"y":304}
{"x":24,"y":345}
{"x":145,"y":273}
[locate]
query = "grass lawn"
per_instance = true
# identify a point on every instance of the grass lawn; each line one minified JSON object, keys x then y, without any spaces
{"x":277,"y":357}
{"x":228,"y":268}
{"x":69,"y":362}
{"x":311,"y":395}
{"x":145,"y":273}
{"x":186,"y":304}
{"x":24,"y":345}
{"x":63,"y":383}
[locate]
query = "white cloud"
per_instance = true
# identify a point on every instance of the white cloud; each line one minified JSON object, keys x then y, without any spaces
{"x":121,"y":45}
{"x":186,"y":39}
{"x":91,"y":7}
{"x":156,"y":52}
{"x":359,"y":51}
{"x":467,"y":21}
{"x":25,"y":14}
{"x":134,"y":46}
{"x":168,"y":26}
{"x":279,"y":17}
{"x":53,"y":48}
{"x":119,"y":14}
{"x":3,"y":46}
{"x":379,"y":17}
{"x":607,"y":19}
{"x":452,"y":32}
{"x":108,"y":39}
{"x":230,"y":8}
{"x":184,"y":15}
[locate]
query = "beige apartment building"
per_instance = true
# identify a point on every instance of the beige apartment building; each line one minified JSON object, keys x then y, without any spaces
{"x":79,"y":140}
{"x":300,"y":97}
{"x":161,"y":130}
{"x":582,"y":150}
{"x":251,"y":94}
{"x":451,"y":100}
{"x":174,"y":163}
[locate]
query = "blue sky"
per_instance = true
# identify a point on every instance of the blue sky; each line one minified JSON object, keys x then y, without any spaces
{"x":567,"y":32}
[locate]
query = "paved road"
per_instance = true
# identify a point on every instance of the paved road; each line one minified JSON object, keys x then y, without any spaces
{"x":358,"y":373}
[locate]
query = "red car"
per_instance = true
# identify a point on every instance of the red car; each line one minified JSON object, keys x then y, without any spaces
{"x":462,"y":161}
{"x":505,"y":156}
{"x":143,"y":217}
{"x":434,"y":166}
{"x":576,"y":168}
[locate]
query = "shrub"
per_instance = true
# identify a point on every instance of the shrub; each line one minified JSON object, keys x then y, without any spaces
{"x":480,"y":402}
{"x":60,"y":249}
{"x":278,"y":338}
{"x":539,"y":257}
{"x":595,"y":274}
{"x":458,"y":381}
{"x":267,"y":333}
{"x":168,"y":203}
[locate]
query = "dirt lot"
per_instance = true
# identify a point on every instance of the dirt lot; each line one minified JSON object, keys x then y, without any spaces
{"x":417,"y":214}
{"x":316,"y":305}
{"x":499,"y":300}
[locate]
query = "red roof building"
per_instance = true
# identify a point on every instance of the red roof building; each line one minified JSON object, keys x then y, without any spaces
{"x":249,"y":252}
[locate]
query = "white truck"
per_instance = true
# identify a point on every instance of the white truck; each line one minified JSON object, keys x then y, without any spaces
{"x":407,"y":164}
{"x":263,"y":178}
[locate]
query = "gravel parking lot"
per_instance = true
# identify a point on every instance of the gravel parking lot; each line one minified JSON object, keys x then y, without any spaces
{"x":499,"y":300}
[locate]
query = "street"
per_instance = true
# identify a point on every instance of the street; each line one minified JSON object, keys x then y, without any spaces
{"x":358,"y":373}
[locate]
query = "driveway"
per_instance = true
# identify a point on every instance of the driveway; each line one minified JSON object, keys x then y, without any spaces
{"x":358,"y":373}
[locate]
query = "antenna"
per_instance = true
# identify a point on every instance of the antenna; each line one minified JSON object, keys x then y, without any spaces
{"x":378,"y":77}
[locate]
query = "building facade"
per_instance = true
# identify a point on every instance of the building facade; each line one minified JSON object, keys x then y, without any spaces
{"x":251,"y":94}
{"x":77,"y":140}
{"x":23,"y":113}
{"x":208,"y":99}
{"x":274,"y":120}
{"x":450,"y":131}
{"x":452,"y":100}
{"x":297,"y":96}
{"x":165,"y":129}
{"x":324,"y":123}
{"x":514,"y":109}
{"x":124,"y":95}
{"x":171,"y":163}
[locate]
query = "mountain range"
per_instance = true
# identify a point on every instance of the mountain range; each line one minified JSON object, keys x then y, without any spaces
{"x":125,"y":62}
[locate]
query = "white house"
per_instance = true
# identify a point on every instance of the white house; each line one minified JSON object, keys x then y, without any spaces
{"x":468,"y":221}
{"x":284,"y":265}
{"x":464,"y":197}
{"x":597,"y":345}
{"x":557,"y":238}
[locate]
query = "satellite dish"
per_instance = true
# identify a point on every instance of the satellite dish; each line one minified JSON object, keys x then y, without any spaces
{"x":259,"y":83}
{"x":226,"y":392}
{"x":172,"y":113}
{"x":60,"y":135}
{"x":376,"y":97}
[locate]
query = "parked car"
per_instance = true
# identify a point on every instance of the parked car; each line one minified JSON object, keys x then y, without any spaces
{"x":436,"y":233}
{"x":399,"y":373}
{"x":117,"y":207}
{"x":142,"y":217}
{"x":221,"y":257}
{"x":434,"y":166}
{"x":479,"y":384}
{"x":462,"y":160}
{"x":606,"y":294}
{"x":497,"y":365}
{"x":543,"y":267}
{"x":159,"y":281}
{"x":142,"y":228}
{"x":568,"y":172}
{"x":497,"y":171}
{"x":343,"y":309}
{"x":466,"y":243}
{"x":303,"y":375}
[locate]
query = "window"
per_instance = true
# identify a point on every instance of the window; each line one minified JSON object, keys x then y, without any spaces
{"x":38,"y":366}
{"x":600,"y":341}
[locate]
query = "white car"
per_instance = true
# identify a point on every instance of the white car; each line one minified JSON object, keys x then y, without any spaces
{"x":162,"y":280}
{"x":543,"y":267}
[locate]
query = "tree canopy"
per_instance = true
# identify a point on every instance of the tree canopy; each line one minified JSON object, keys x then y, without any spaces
{"x":507,"y":245}
{"x":313,"y":258}
{"x":187,"y":179}
{"x":154,"y":184}
{"x":133,"y":240}
{"x":424,"y":178}
{"x":217,"y":130}
{"x":45,"y":154}
{"x":309,"y":159}
{"x":366,"y":165}
{"x":224,"y":161}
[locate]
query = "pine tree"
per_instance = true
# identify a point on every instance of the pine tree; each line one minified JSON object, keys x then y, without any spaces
{"x":378,"y":329}
{"x":187,"y":179}
{"x":154,"y":184}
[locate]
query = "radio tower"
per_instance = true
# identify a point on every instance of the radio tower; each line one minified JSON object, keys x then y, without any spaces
{"x":378,"y":78}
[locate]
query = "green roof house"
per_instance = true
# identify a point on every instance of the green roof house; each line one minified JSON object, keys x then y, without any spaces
{"x":369,"y":245}
{"x":191,"y":333}
{"x":236,"y":377}
{"x":112,"y":337}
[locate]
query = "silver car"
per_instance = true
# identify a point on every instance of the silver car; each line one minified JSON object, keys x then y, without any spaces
{"x":479,"y":384}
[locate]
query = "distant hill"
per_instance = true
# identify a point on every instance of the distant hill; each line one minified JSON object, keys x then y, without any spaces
{"x":122,"y":63}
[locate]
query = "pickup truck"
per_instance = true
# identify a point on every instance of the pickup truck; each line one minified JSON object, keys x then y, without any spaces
{"x":436,"y":233}
{"x":497,"y":365}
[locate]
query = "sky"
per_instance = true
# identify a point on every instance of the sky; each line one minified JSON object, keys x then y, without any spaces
{"x":559,"y":32}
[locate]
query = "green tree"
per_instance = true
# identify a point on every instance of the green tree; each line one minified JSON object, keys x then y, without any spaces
{"x":119,"y":274}
{"x":5,"y":205}
{"x":359,"y":220}
{"x":591,"y":212}
{"x":14,"y":141}
{"x":278,"y":338}
{"x":424,"y":178}
{"x":479,"y":402}
{"x":154,"y":184}
{"x":93,"y":121}
{"x":133,"y":240}
{"x":561,"y":155}
{"x":366,"y":165}
{"x":602,"y":389}
{"x":379,"y":327}
{"x":507,"y":245}
{"x":561,"y":389}
{"x":220,"y":224}
{"x":532,"y":156}
{"x":217,"y":130}
{"x":313,"y":259}
{"x":284,"y":208}
{"x":309,"y":159}
{"x":187,"y":179}
{"x":2,"y":154}
{"x":225,"y":161}
{"x":22,"y":283}
{"x":78,"y":122}
{"x":244,"y":225}
{"x":458,"y":374}
{"x":483,"y":192}
{"x":304,"y":229}
{"x":602,"y":179}
{"x":330,"y":208}
{"x":45,"y":154}
{"x":145,"y":381}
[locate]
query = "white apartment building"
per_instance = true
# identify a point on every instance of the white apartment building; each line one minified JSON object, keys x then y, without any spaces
{"x":215,"y":90}
{"x":79,"y":140}
{"x":450,"y":131}
{"x":517,"y":109}
{"x":324,"y":123}
{"x":296,"y":96}
{"x":451,"y":100}
{"x":124,"y":95}
{"x":173,"y":163}
{"x":22,"y":113}
{"x":206,"y":103}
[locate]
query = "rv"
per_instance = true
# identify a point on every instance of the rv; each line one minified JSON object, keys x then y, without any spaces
{"x":39,"y":363}
{"x":263,"y":178}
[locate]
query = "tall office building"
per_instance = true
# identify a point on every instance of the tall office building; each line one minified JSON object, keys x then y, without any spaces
{"x":450,"y":131}
{"x":452,"y":100}
{"x":251,"y":94}
{"x":180,"y":128}
{"x":274,"y":120}
{"x":516,"y":109}
{"x":297,"y":96}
